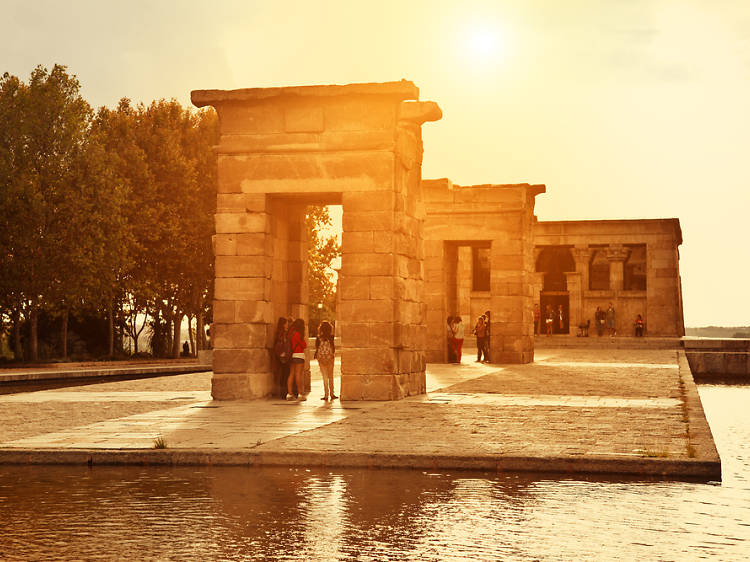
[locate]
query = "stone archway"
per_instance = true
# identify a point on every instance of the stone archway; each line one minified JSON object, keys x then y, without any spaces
{"x":359,"y":145}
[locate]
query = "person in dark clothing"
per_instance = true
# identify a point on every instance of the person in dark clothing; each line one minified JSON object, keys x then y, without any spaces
{"x":281,"y":355}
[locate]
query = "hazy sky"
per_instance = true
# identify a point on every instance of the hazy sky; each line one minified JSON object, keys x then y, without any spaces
{"x":623,"y":108}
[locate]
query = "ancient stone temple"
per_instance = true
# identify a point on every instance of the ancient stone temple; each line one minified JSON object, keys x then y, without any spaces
{"x":479,"y":256}
{"x":631,"y":264}
{"x":281,"y":149}
{"x":414,"y":252}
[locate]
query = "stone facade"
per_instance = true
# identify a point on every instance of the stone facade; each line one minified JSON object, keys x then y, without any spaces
{"x":489,"y":227}
{"x":281,"y":149}
{"x":633,"y":264}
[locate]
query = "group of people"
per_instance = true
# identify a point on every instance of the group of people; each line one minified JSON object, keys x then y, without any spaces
{"x":455,"y":333}
{"x":289,"y":357}
{"x":554,"y":320}
{"x":605,"y":317}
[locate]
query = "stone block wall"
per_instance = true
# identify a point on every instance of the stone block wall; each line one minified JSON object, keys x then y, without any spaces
{"x":660,"y":304}
{"x":281,"y":149}
{"x":500,"y":216}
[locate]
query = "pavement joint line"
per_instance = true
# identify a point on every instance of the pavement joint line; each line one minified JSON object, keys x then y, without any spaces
{"x":603,"y":365}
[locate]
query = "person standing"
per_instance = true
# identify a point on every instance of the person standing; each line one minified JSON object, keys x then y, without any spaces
{"x":449,"y":336}
{"x":325,"y":353}
{"x":599,"y":317}
{"x":480,"y":331}
{"x":282,"y":354}
{"x":560,"y":319}
{"x":458,"y":337}
{"x":610,"y":315}
{"x":297,"y":363}
{"x":549,"y":318}
{"x":638,"y":326}
{"x":537,"y":318}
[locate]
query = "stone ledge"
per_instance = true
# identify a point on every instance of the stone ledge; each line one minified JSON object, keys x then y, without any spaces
{"x":403,"y":90}
{"x":60,"y":374}
{"x":639,"y":466}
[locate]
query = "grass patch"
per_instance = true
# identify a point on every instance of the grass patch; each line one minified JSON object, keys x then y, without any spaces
{"x":159,"y":442}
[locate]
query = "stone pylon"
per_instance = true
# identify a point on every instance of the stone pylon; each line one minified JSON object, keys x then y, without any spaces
{"x":281,"y":149}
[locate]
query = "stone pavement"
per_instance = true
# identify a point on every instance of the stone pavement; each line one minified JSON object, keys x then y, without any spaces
{"x":573,"y":410}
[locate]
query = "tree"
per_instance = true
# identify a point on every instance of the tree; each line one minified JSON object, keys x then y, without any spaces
{"x":323,"y":248}
{"x":44,"y":143}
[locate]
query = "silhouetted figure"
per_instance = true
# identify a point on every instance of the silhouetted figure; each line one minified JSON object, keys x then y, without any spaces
{"x":186,"y":349}
{"x":599,"y":317}
{"x":638,"y":325}
{"x":282,"y":353}
{"x":549,"y":319}
{"x":458,"y":338}
{"x":480,"y":331}
{"x":537,"y":319}
{"x":611,"y":320}
{"x":325,"y":353}
{"x":449,"y":336}
{"x":298,"y":359}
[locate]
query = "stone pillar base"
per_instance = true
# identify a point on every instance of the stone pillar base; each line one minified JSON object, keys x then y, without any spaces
{"x":241,"y":386}
{"x":382,"y":387}
{"x":512,"y":357}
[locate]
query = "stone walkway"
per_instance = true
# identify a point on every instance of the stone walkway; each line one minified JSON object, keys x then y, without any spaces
{"x":573,"y":410}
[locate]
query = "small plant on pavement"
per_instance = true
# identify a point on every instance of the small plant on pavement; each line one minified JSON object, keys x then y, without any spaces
{"x":159,"y":442}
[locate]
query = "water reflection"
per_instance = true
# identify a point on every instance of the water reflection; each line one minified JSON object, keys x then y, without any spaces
{"x":280,"y":513}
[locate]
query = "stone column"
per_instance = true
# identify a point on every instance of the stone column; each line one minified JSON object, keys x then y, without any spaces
{"x":511,"y":291}
{"x":575,"y":301}
{"x":242,"y":296}
{"x":383,"y":310}
{"x":464,"y":277}
{"x":578,"y":283}
{"x":616,"y":254}
{"x":436,"y":296}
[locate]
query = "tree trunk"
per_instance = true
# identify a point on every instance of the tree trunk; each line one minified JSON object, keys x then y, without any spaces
{"x":190,"y":335}
{"x":33,"y":341}
{"x":111,"y":329}
{"x":17,"y":349}
{"x":200,"y":337}
{"x":176,"y":337}
{"x":119,"y":340}
{"x":64,"y":333}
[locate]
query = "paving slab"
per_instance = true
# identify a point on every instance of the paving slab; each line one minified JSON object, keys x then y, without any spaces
{"x":587,"y":410}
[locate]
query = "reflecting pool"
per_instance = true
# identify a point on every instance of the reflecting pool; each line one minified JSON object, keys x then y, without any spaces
{"x":62,"y":513}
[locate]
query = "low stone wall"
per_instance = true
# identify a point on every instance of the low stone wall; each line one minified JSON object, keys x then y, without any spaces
{"x":716,"y":358}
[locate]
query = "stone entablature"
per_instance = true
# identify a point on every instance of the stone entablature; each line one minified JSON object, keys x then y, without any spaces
{"x":497,"y":219}
{"x":281,"y":149}
{"x":659,"y":302}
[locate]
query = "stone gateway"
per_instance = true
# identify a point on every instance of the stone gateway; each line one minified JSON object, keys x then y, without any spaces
{"x":413,"y":251}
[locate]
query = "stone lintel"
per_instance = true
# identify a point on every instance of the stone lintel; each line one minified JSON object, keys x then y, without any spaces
{"x":420,"y":111}
{"x":401,"y":90}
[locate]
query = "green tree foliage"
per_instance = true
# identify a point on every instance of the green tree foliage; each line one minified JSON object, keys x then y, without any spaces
{"x":55,"y":198}
{"x":323,"y":249}
{"x":109,"y":215}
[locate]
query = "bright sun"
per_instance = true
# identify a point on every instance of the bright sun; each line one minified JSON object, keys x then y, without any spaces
{"x":485,"y":44}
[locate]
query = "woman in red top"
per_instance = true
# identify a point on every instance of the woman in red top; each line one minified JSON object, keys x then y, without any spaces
{"x":297,"y":363}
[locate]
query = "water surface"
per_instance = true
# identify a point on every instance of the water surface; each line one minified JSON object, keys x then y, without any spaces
{"x":59,"y":513}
